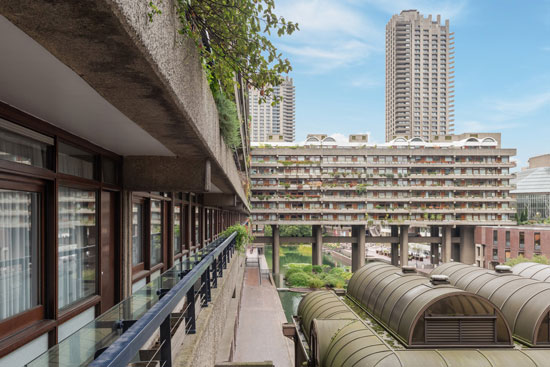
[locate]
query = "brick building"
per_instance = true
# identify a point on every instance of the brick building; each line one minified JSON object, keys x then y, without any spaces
{"x":495,"y":245}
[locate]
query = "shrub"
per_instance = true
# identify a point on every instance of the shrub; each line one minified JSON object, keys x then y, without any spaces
{"x":307,"y":268}
{"x":299,"y":279}
{"x":334,"y":281}
{"x":291,"y":271}
{"x":316,"y":283}
{"x":317,"y":269}
{"x":243,"y":237}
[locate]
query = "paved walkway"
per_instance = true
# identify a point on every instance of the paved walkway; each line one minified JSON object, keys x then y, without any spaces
{"x":259,"y":334}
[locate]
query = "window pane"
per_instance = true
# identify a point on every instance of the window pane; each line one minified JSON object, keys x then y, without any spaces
{"x":76,"y":162}
{"x":197,"y":226}
{"x":156,"y":232}
{"x":110,"y":171}
{"x":177,"y":229}
{"x":77,"y":239}
{"x":137,"y":233}
{"x":24,"y":150}
{"x":19,"y":244}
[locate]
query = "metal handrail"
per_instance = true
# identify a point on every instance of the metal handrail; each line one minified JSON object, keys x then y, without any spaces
{"x":123,"y":350}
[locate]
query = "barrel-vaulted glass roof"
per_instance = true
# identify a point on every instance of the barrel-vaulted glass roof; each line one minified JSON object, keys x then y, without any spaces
{"x":353,"y":343}
{"x":534,"y":271}
{"x":524,"y":302}
{"x":322,"y":305}
{"x":420,"y":313}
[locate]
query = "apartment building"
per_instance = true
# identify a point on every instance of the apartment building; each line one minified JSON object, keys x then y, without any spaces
{"x":454,"y":180}
{"x":273,"y":122}
{"x":419,"y":76}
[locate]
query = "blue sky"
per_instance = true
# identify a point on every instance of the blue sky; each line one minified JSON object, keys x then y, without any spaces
{"x":502,"y":63}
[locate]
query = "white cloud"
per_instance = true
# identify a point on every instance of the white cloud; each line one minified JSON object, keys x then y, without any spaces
{"x":366,"y":81}
{"x":545,"y":48}
{"x":332,"y":35}
{"x":520,"y":107}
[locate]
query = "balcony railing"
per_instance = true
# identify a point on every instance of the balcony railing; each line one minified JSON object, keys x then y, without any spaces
{"x":116,"y":337}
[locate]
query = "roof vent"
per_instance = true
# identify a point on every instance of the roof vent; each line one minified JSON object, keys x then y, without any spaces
{"x":407,"y":269}
{"x":503,"y":269}
{"x":438,"y":279}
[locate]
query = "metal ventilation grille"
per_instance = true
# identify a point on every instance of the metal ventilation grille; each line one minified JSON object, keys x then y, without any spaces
{"x":459,"y":330}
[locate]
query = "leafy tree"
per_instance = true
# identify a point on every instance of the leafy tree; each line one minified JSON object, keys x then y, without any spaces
{"x":290,"y":231}
{"x":232,"y":39}
{"x":541,"y":259}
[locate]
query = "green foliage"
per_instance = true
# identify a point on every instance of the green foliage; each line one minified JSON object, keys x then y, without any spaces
{"x":290,"y":231}
{"x":335,"y":281}
{"x":318,"y":269}
{"x":232,"y":38}
{"x":316,"y":276}
{"x":541,"y":259}
{"x":299,"y":279}
{"x":243,"y":237}
{"x":361,"y":189}
{"x":316,"y":283}
{"x":230,"y":127}
{"x":522,"y":217}
{"x":296,"y":231}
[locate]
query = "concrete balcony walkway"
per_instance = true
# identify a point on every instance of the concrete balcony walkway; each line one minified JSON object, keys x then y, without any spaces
{"x":259,"y":333}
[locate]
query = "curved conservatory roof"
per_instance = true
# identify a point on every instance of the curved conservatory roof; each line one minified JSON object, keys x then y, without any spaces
{"x":354,"y":343}
{"x":420,"y":313}
{"x":524,"y":302}
{"x":322,"y":305}
{"x":534,"y":271}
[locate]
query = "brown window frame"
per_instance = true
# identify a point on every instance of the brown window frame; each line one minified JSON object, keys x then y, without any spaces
{"x":47,"y":320}
{"x":146,"y":269}
{"x":37,"y":313}
{"x":139,"y":267}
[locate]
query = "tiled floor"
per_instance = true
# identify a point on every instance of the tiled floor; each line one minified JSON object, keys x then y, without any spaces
{"x":259,"y":335}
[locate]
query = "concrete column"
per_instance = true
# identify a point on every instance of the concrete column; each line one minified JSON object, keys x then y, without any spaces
{"x":358,"y":248}
{"x":404,"y":245}
{"x":467,"y":245}
{"x":446,"y":244}
{"x":434,"y":253}
{"x":276,"y":247}
{"x":395,"y":246}
{"x":317,"y":246}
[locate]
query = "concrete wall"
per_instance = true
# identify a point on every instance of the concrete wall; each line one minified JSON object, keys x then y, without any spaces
{"x":201,"y":349}
{"x":539,"y":161}
{"x":146,"y":70}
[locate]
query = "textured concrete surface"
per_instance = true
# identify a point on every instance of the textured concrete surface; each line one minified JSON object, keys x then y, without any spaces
{"x":259,"y":334}
{"x":145,"y":69}
{"x":200,"y":349}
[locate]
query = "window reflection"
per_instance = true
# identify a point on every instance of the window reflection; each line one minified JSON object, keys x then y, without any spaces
{"x":156,"y":232}
{"x":19,"y":246}
{"x":137,"y":233}
{"x":77,"y":242}
{"x":177,"y":229}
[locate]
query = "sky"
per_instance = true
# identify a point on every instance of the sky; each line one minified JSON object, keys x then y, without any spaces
{"x":502,"y":63}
